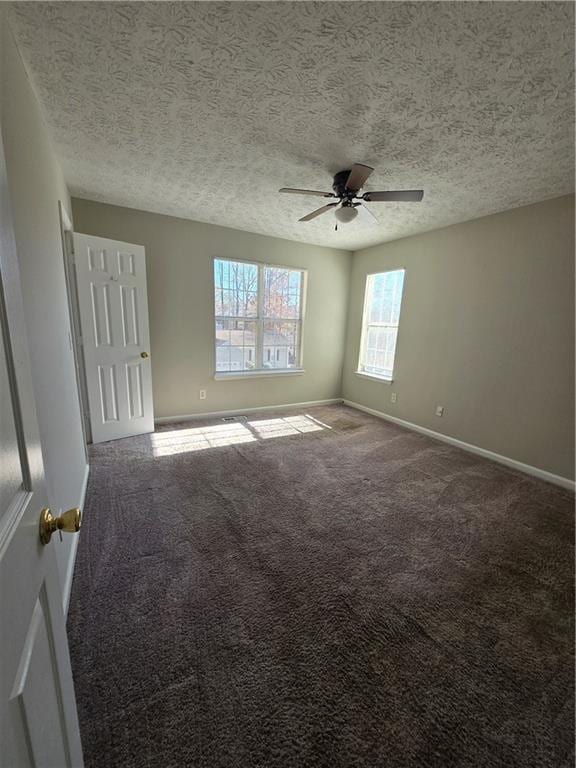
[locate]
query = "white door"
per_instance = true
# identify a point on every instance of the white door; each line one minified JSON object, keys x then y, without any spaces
{"x":111,"y":279}
{"x":38,"y":719}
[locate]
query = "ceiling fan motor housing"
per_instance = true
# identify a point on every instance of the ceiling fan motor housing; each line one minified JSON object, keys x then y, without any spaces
{"x":339,"y":186}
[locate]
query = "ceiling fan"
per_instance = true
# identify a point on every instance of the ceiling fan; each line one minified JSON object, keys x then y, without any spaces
{"x":346,"y":185}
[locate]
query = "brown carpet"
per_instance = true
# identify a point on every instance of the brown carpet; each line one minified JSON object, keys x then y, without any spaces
{"x":331,"y":591}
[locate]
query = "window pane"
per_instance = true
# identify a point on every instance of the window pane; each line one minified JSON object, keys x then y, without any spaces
{"x":282,"y":292}
{"x":380,"y":348}
{"x":376,"y":289}
{"x":380,"y":322}
{"x":235,"y":345}
{"x":235,"y":288}
{"x":281,"y":345}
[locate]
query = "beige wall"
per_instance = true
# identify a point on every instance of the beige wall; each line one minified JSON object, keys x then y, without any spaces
{"x":487,"y":326}
{"x":180,"y":293}
{"x":36,"y":185}
{"x":486,"y":330}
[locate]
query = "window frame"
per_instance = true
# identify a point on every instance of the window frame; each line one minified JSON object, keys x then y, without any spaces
{"x":259,"y":320}
{"x":365,"y":325}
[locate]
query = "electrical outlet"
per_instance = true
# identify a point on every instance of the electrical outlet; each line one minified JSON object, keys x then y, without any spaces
{"x":202,"y":394}
{"x":393,"y":397}
{"x":439,"y":410}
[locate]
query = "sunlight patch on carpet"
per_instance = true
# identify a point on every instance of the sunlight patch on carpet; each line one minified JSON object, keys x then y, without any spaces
{"x":199,"y":439}
{"x":283,"y":427}
{"x":168,"y":443}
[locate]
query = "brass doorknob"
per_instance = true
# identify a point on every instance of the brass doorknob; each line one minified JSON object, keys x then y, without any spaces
{"x":69,"y":521}
{"x":144,"y":355}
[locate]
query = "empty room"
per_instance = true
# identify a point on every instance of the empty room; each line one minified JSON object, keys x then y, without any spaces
{"x":287,"y":353}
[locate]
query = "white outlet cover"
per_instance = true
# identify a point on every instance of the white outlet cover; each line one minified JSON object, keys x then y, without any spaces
{"x":439,"y":410}
{"x":393,"y":397}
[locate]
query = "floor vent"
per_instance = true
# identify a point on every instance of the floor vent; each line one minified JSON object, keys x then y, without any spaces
{"x":233,"y":418}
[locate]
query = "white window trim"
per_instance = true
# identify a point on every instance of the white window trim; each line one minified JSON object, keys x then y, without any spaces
{"x":375,"y":377}
{"x":220,"y":375}
{"x":364,"y":328}
{"x":260,"y":371}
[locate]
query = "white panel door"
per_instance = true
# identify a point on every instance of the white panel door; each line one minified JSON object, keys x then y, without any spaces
{"x":113,"y":302}
{"x":38,"y":718}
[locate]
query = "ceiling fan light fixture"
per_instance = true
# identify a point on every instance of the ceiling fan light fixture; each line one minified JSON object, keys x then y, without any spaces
{"x":346,"y":186}
{"x":346,"y":214}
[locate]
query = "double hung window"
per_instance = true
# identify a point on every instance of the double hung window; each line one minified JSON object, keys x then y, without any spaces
{"x":258,"y":317}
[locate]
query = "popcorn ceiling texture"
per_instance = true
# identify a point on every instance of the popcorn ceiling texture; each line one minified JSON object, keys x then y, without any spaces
{"x":203,"y":110}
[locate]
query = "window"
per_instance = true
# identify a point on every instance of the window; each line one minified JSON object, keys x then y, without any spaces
{"x":382,"y":303}
{"x":258,"y":315}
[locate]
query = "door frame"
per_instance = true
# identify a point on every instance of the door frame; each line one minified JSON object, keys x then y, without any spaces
{"x":67,"y":235}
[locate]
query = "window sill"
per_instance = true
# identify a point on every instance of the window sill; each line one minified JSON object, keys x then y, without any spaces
{"x":374,"y":377}
{"x":223,"y":375}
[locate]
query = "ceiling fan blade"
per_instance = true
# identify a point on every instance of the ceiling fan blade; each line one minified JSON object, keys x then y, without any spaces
{"x":365,"y":214}
{"x":318,"y":212}
{"x":306,"y":192}
{"x":402,"y":196}
{"x":358,"y":176}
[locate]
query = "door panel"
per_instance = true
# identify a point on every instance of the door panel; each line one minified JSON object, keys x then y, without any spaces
{"x":135,"y":402}
{"x":38,"y":718}
{"x":126,"y":264}
{"x":108,"y":393}
{"x":114,"y":315}
{"x":101,"y":315}
{"x":129,"y":302}
{"x":10,"y":467}
{"x":97,"y":259}
{"x":35,"y":692}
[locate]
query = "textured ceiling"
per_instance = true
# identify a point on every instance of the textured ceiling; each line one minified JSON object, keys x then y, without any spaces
{"x":203,"y":110}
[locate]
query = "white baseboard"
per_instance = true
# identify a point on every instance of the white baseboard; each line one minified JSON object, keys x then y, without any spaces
{"x":238,"y":411}
{"x":528,"y":469}
{"x":67,"y":587}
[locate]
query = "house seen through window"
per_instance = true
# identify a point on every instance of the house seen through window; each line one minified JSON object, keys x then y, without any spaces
{"x":258,"y":316}
{"x":382,"y":302}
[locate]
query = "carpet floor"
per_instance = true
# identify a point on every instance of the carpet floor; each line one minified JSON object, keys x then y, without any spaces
{"x":320,"y":589}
